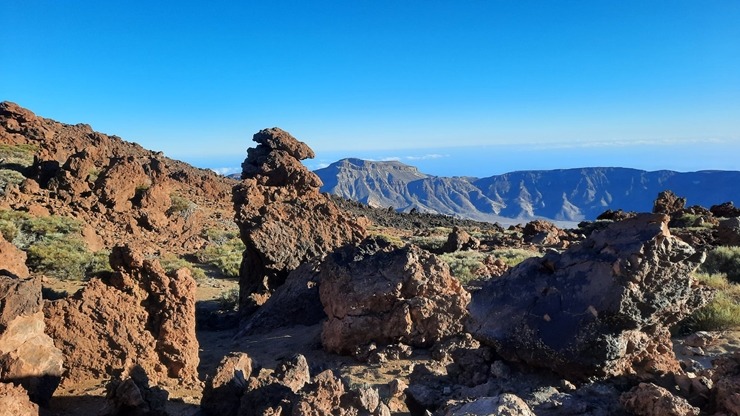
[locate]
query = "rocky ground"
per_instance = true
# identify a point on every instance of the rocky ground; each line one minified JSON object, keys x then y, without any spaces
{"x":342,"y":309}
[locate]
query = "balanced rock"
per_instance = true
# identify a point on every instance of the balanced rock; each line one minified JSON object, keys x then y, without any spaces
{"x":601,"y":308}
{"x":283,"y":219}
{"x":138,"y":316}
{"x":379,"y":293}
{"x":668,"y":203}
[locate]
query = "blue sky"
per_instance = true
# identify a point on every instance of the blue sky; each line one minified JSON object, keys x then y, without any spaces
{"x":459,"y":87}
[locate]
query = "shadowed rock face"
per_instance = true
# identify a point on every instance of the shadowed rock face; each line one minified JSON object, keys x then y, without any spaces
{"x":379,"y":293}
{"x":139,"y":316}
{"x":283,"y":219}
{"x":601,"y":308}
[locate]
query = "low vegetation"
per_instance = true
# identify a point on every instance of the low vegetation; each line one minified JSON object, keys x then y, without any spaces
{"x":223,"y":252}
{"x":171,"y":262}
{"x":513,"y":256}
{"x":724,"y":260}
{"x":14,"y":159}
{"x":722,"y":313}
{"x":53,"y":245}
{"x":180,"y":205}
{"x":464,"y":265}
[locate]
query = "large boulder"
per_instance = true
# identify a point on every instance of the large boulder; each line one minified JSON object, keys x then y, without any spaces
{"x":647,"y":399}
{"x":12,"y":260}
{"x":668,"y":203}
{"x":728,"y":232}
{"x":379,"y":293}
{"x":27,"y":354}
{"x":725,"y":210}
{"x":138,"y":316}
{"x":601,"y":308}
{"x":283,"y":219}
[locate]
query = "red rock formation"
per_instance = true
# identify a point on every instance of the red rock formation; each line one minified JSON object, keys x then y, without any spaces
{"x":139,"y":316}
{"x":601,"y":308}
{"x":283,"y":219}
{"x":668,"y":203}
{"x":378,"y":293}
{"x":27,"y":354}
{"x":647,"y":399}
{"x":14,"y":401}
{"x":124,"y":193}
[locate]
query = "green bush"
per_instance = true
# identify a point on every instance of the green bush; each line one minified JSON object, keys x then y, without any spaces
{"x":64,"y":258}
{"x":513,"y":256}
{"x":723,"y":260}
{"x":464,"y":264}
{"x":180,"y":206}
{"x":722,"y":313}
{"x":224,"y":251}
{"x":171,"y":263}
{"x":229,"y":300}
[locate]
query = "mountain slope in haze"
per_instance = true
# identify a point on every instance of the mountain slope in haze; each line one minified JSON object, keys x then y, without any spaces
{"x":562,"y":195}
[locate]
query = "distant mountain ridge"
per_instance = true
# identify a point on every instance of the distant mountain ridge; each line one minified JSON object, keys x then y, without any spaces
{"x":561,"y":195}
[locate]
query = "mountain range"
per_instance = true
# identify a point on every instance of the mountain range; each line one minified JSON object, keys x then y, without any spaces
{"x":566,"y":195}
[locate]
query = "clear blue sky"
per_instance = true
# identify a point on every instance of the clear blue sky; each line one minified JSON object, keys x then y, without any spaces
{"x":458,"y":87}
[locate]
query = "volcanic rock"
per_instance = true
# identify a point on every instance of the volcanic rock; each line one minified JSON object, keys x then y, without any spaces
{"x":223,"y":392}
{"x":728,"y":232}
{"x":14,"y":401}
{"x":725,"y":210}
{"x":543,"y":233}
{"x":460,"y":240}
{"x":139,"y":315}
{"x":668,"y":203}
{"x":601,"y":308}
{"x":124,"y":193}
{"x":617,"y":215}
{"x":505,"y":404}
{"x":132,"y":396}
{"x":27,"y":354}
{"x":12,"y":260}
{"x":283,"y":219}
{"x":647,"y":399}
{"x":378,"y":293}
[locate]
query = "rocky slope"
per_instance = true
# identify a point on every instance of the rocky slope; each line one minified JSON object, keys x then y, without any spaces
{"x":563,"y":195}
{"x":122,"y":192}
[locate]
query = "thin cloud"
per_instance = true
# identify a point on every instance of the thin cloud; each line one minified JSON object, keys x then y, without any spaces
{"x":426,"y":157}
{"x":226,"y":171}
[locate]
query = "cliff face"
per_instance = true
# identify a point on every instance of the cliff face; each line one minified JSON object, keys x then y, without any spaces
{"x":564,"y":195}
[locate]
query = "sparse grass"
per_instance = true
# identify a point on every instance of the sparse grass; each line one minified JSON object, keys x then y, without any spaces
{"x":429,"y":243}
{"x":723,"y":260}
{"x":382,"y":234}
{"x":14,"y":159}
{"x":513,"y":256}
{"x":722,"y":313}
{"x":224,"y":251}
{"x":229,"y":300}
{"x":65,"y":258}
{"x":464,"y":264}
{"x":180,"y":205}
{"x":171,"y":263}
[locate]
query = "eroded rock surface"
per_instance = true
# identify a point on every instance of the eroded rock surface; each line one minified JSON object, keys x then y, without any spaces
{"x":138,"y":316}
{"x":379,"y":293}
{"x":647,"y":399}
{"x":601,"y":308}
{"x":283,"y":219}
{"x":27,"y":354}
{"x":668,"y":203}
{"x":14,"y":401}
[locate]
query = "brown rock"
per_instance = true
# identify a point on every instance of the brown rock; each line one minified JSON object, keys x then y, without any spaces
{"x":668,"y":203}
{"x":460,"y":240}
{"x":322,"y":396}
{"x":14,"y":401}
{"x":617,"y":215}
{"x":293,"y":373}
{"x":283,"y":219}
{"x":133,"y":396}
{"x":138,"y":316}
{"x":12,"y":260}
{"x":728,"y":232}
{"x":222,"y":393}
{"x":726,"y":378}
{"x":27,"y":354}
{"x":505,"y":404}
{"x":542,"y":233}
{"x":725,"y":210}
{"x":378,"y":293}
{"x":647,"y":399}
{"x":601,"y":308}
